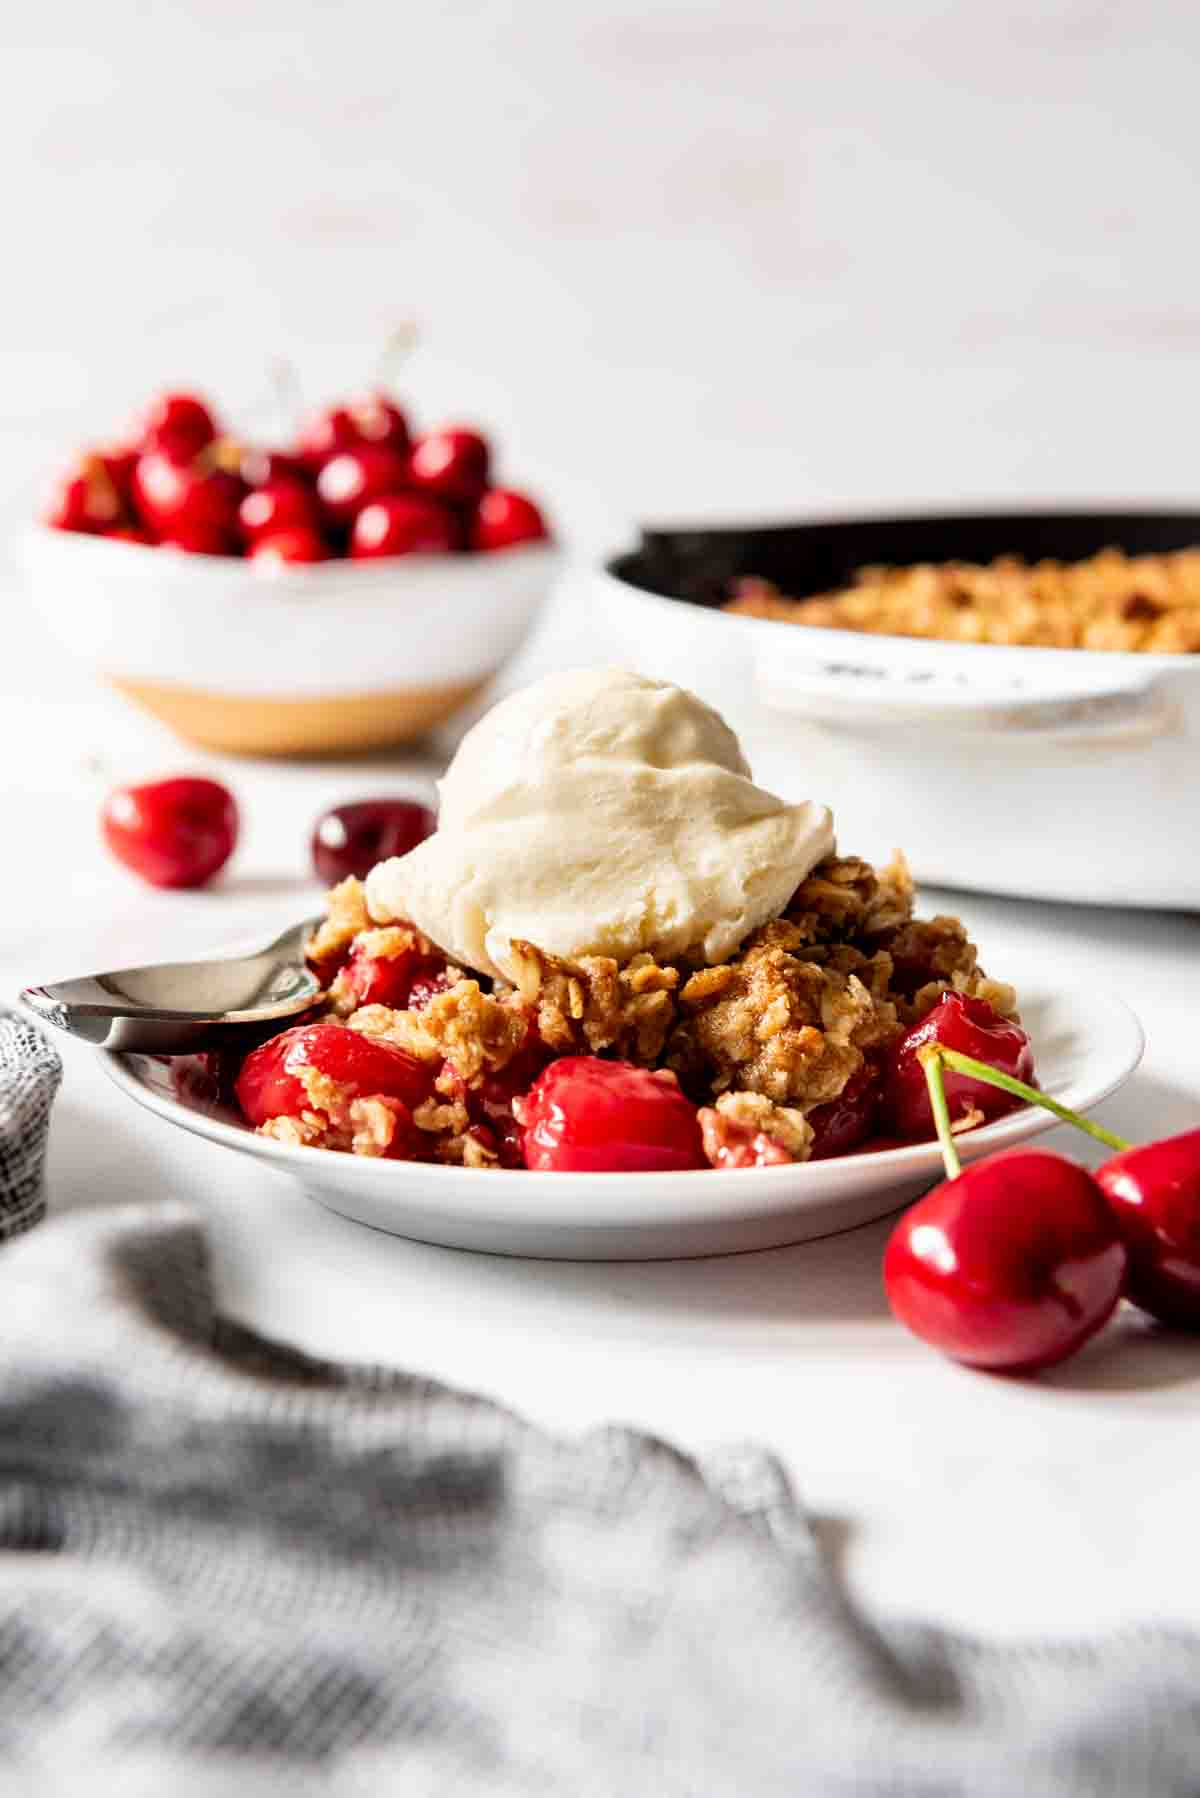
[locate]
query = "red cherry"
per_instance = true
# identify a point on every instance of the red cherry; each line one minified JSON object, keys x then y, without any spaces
{"x":119,"y":461}
{"x":364,"y":1066}
{"x":426,"y":988}
{"x":279,"y":505}
{"x":179,"y":425}
{"x":174,"y":833}
{"x":372,"y":420}
{"x":403,"y":524}
{"x":1153,"y":1192}
{"x":131,"y":533}
{"x":351,"y":480}
{"x":504,"y":519}
{"x":452,"y":465}
{"x":973,"y":1028}
{"x":181,"y":500}
{"x":279,"y":548}
{"x":85,"y":498}
{"x":389,"y":980}
{"x":260,"y":467}
{"x":847,"y":1121}
{"x":584,"y":1115}
{"x":1011,"y":1266}
{"x":350,"y":839}
{"x":200,"y":540}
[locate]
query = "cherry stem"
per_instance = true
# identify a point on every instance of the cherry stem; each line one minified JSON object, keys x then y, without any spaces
{"x":931,"y":1061}
{"x":1032,"y":1095}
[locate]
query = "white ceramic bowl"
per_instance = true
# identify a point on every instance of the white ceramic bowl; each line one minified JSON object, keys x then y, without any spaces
{"x":1086,"y":1045}
{"x":335,"y":657}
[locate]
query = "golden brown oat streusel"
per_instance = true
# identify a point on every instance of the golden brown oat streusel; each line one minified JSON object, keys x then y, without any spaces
{"x":775,"y":1023}
{"x":932,"y":956}
{"x":845,"y":896}
{"x":345,"y":916}
{"x":592,"y":1004}
{"x":1111,"y":601}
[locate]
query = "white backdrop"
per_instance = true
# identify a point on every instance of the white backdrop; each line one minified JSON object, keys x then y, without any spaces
{"x":734,"y":254}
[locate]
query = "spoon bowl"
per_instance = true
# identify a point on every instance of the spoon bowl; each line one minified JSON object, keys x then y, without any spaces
{"x":178,"y":1007}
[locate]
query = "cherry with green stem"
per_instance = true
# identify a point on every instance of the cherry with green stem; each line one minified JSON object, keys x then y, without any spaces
{"x":1152,"y":1191}
{"x":1011,"y":1263}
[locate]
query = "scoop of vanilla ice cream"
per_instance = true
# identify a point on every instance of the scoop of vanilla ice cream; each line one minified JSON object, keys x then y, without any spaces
{"x":602,"y":813}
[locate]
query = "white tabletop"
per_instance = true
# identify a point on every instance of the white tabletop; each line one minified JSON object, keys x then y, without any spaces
{"x":1004,"y":1507}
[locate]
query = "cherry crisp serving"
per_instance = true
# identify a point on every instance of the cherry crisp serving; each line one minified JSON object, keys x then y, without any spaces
{"x":784,"y":1052}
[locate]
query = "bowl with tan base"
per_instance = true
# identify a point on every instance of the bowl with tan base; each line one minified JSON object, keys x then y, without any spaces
{"x":304,"y":660}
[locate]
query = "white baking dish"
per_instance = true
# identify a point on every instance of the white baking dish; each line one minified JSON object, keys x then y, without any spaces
{"x":1057,"y":774}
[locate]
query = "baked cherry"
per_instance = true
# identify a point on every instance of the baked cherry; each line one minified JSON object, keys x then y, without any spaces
{"x":503,"y":519}
{"x":403,"y":524}
{"x":584,"y":1115}
{"x":846,"y":1122}
{"x":179,"y":425}
{"x":278,"y":505}
{"x":277,"y":548}
{"x":973,"y":1028}
{"x":85,"y":498}
{"x":354,"y":477}
{"x":427,"y":987}
{"x":174,"y":833}
{"x":728,"y":1144}
{"x":361,"y":1067}
{"x":350,"y":839}
{"x":1153,"y":1192}
{"x":178,"y":500}
{"x":1011,"y":1266}
{"x":451,"y":465}
{"x":390,"y":979}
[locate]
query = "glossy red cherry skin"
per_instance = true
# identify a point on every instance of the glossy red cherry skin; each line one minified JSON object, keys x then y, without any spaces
{"x":85,"y":498}
{"x":1011,"y":1266}
{"x":451,"y":465}
{"x":363,"y":1066}
{"x":350,"y":839}
{"x":374,"y":419}
{"x":973,"y":1028}
{"x":179,"y":425}
{"x":403,"y":524}
{"x":174,"y":833}
{"x":278,"y":505}
{"x":584,"y":1115}
{"x":353,"y":478}
{"x":260,"y":467}
{"x":846,"y":1122}
{"x":276,"y":549}
{"x":176,"y":499}
{"x":200,"y":540}
{"x":1153,"y":1192}
{"x":503,"y":519}
{"x":119,"y":462}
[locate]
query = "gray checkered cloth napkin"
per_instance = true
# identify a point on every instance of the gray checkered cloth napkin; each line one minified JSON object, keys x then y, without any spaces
{"x":226,"y":1568}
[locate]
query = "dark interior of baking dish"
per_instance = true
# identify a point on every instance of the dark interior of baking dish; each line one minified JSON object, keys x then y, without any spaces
{"x":698,"y":565}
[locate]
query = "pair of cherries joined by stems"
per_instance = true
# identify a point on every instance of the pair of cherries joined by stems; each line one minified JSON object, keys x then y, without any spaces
{"x":1011,"y":1264}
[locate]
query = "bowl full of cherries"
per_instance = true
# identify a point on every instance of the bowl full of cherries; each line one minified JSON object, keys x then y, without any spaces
{"x":345,"y":591}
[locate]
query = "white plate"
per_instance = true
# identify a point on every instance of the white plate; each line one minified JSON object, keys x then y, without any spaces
{"x":1085,"y":1044}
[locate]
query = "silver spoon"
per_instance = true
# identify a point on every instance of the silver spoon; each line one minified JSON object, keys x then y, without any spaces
{"x":181,"y":1006}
